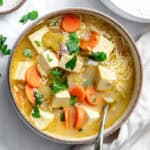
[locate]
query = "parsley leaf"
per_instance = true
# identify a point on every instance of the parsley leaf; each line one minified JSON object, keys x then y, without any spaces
{"x":33,"y":15}
{"x":94,"y":99}
{"x":4,"y":47}
{"x":28,"y":53}
{"x":59,"y":85}
{"x":49,"y":59}
{"x":29,"y":16}
{"x":99,"y":56}
{"x":1,"y":2}
{"x":73,"y":100}
{"x":38,"y":98}
{"x":71,"y":63}
{"x":73,"y":43}
{"x":38,"y":44}
{"x":62,"y":116}
{"x":56,"y":73}
{"x":36,"y":112}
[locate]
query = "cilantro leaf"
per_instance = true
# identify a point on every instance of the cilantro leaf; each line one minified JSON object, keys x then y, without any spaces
{"x":73,"y":43}
{"x":73,"y":100}
{"x":56,"y":73}
{"x":4,"y":47}
{"x":71,"y":63}
{"x":62,"y":116}
{"x":38,"y":43}
{"x":29,"y":16}
{"x":33,"y":15}
{"x":38,"y":98}
{"x":49,"y":59}
{"x":1,"y":2}
{"x":99,"y":56}
{"x":36,"y":112}
{"x":28,"y":53}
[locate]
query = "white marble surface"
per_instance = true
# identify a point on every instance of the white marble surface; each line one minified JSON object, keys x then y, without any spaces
{"x":14,"y":135}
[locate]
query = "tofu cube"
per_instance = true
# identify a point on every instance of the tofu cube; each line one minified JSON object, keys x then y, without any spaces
{"x":93,"y":114}
{"x":36,"y":39}
{"x":104,"y":45}
{"x":21,"y":70}
{"x":105,"y":78}
{"x":61,"y":99}
{"x":45,"y":119}
{"x":47,"y":60}
{"x":65,"y":58}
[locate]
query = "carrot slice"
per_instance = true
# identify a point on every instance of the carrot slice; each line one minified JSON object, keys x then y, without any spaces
{"x":91,"y":43}
{"x":67,"y":120}
{"x":92,"y":97}
{"x":30,"y":94}
{"x":33,"y":77}
{"x":81,"y":118}
{"x":71,"y":23}
{"x":78,"y":91}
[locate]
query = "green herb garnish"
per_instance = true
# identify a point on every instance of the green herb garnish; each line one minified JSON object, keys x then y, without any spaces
{"x":38,"y":102}
{"x":49,"y":59}
{"x":3,"y":46}
{"x":56,"y":73}
{"x":73,"y":100}
{"x":71,"y":63}
{"x":59,"y":85}
{"x":28,"y":53}
{"x":1,"y":2}
{"x":94,"y":99}
{"x":38,"y":98}
{"x":62,"y":116}
{"x":29,"y":16}
{"x":73,"y":43}
{"x":36,"y":112}
{"x":99,"y":56}
{"x":38,"y":43}
{"x":33,"y":15}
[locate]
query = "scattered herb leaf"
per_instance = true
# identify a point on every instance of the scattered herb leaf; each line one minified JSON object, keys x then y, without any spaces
{"x":38,"y":98}
{"x":62,"y":116}
{"x":71,"y":63}
{"x":33,"y":15}
{"x":36,"y":112}
{"x":29,"y":16}
{"x":3,"y":46}
{"x":94,"y":99}
{"x":99,"y":56}
{"x":56,"y":73}
{"x":80,"y":130}
{"x":28,"y":53}
{"x":38,"y":44}
{"x":1,"y":2}
{"x":73,"y":43}
{"x":73,"y":100}
{"x":49,"y":59}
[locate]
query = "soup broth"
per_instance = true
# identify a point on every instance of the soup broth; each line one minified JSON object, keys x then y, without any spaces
{"x":66,"y":69}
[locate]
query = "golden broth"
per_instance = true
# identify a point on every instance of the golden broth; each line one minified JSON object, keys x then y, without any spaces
{"x":116,"y":110}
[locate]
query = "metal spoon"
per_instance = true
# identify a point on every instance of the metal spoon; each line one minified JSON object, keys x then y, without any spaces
{"x":100,"y":137}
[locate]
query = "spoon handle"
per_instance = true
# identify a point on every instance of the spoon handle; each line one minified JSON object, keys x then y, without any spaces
{"x":100,"y":137}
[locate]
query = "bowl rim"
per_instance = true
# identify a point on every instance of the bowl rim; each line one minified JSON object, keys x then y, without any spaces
{"x":117,"y":125}
{"x":14,"y":8}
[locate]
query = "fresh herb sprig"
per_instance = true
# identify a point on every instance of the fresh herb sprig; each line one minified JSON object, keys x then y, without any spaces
{"x":29,"y":16}
{"x":73,"y":43}
{"x":99,"y":56}
{"x":71,"y":64}
{"x":28,"y":53}
{"x":59,"y":83}
{"x":73,"y":100}
{"x":1,"y":2}
{"x":38,"y":102}
{"x":3,"y":46}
